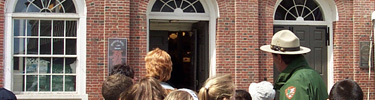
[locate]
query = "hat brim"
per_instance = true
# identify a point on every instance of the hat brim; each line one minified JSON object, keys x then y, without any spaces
{"x":302,"y":50}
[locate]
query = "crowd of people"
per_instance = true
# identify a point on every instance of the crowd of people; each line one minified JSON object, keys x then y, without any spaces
{"x":297,"y":81}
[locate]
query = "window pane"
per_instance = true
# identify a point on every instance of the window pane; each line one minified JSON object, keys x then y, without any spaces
{"x":45,"y":65}
{"x":70,"y":65}
{"x":71,"y":46}
{"x":57,"y":83}
{"x":58,"y":46}
{"x":71,"y":28}
{"x":31,"y":82}
{"x":19,"y":46}
{"x":48,"y":6}
{"x":58,"y":28}
{"x":45,"y":46}
{"x":18,"y":83}
{"x":45,"y":27}
{"x":32,"y":46}
{"x":70,"y":83}
{"x":57,"y":65}
{"x":44,"y":83}
{"x":31,"y":65}
{"x":32,"y":27}
{"x":19,"y":27}
{"x":18,"y":65}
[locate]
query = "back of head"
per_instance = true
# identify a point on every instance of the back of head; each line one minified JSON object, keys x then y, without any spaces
{"x":114,"y":85}
{"x":262,"y":91}
{"x":217,"y":88}
{"x":242,"y":95}
{"x":182,"y":94}
{"x":147,"y":88}
{"x":346,"y":90}
{"x":158,"y":65}
{"x":123,"y":69}
{"x":7,"y":95}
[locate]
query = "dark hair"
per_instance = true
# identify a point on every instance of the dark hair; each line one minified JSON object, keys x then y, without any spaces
{"x":346,"y":90}
{"x":114,"y":85}
{"x":147,"y":88}
{"x":288,"y":58}
{"x":123,"y":69}
{"x":242,"y":95}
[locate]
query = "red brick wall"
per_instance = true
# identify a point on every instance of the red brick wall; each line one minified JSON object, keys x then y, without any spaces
{"x":1,"y":42}
{"x":105,"y":19}
{"x":353,"y":27}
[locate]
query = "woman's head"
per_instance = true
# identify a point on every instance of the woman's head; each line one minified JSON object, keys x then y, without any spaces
{"x":147,"y":88}
{"x":217,"y":88}
{"x":158,"y":64}
{"x":182,"y":94}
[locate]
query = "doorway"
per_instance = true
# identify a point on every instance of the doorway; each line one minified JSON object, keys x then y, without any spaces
{"x":186,"y":41}
{"x":315,"y":38}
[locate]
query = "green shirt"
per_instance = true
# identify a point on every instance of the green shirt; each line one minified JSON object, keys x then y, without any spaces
{"x":299,"y":82}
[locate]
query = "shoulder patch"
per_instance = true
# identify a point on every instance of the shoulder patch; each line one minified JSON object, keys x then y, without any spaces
{"x":290,"y":91}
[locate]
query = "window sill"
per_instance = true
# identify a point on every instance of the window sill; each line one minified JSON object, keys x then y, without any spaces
{"x":49,"y":96}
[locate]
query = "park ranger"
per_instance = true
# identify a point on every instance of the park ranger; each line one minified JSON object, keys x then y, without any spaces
{"x":297,"y":81}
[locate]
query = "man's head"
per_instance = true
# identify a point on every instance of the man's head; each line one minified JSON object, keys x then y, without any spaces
{"x":114,"y":85}
{"x":284,"y":44}
{"x":158,"y":65}
{"x":346,"y":90}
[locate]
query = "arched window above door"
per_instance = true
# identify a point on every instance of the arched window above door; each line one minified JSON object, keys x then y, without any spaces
{"x":299,"y":10}
{"x":46,"y":6}
{"x":186,"y":6}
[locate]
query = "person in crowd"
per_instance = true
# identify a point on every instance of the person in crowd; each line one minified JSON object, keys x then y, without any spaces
{"x":262,"y":91}
{"x":159,"y":66}
{"x":147,"y":88}
{"x":123,"y":69}
{"x":5,"y":94}
{"x":114,"y":85}
{"x":217,"y":88}
{"x":346,"y":90}
{"x":182,"y":94}
{"x":242,"y":95}
{"x":297,"y":81}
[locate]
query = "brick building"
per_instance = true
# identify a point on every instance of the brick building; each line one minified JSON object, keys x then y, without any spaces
{"x":62,"y":49}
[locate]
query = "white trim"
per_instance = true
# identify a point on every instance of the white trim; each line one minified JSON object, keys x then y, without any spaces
{"x":81,"y":49}
{"x":330,"y":15}
{"x":211,"y":14}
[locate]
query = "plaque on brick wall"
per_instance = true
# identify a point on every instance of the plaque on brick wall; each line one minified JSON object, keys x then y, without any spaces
{"x":364,"y":54}
{"x":117,"y":52}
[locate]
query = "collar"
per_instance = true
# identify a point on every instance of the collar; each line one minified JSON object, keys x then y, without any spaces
{"x":284,"y":76}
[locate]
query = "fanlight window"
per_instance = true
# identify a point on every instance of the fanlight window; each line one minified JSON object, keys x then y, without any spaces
{"x":47,"y":6}
{"x":299,"y":9}
{"x":187,"y":6}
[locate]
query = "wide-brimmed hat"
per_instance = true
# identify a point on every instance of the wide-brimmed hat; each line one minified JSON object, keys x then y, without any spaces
{"x":285,"y":42}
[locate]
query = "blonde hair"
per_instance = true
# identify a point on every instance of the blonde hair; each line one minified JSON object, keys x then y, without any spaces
{"x":182,"y":94}
{"x":217,"y":88}
{"x":147,"y":88}
{"x":158,"y":65}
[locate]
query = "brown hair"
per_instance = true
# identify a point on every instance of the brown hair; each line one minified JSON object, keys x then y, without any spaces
{"x":147,"y":88}
{"x":181,"y":95}
{"x":114,"y":85}
{"x":158,"y":65}
{"x":123,"y":69}
{"x":346,"y":90}
{"x":217,"y":88}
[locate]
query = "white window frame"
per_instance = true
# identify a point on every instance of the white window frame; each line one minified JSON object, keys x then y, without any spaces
{"x":80,"y":16}
{"x":211,"y":9}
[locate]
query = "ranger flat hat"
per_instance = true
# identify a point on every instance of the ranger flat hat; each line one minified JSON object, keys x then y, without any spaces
{"x":285,"y":42}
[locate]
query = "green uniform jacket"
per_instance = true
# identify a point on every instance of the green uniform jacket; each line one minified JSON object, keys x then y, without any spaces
{"x":299,"y":82}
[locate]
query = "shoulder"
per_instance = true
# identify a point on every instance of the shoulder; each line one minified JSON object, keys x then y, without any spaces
{"x":166,"y":86}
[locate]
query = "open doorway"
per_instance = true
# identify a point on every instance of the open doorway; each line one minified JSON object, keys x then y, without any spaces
{"x":186,"y":41}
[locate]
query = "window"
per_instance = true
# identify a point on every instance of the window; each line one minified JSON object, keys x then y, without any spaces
{"x":45,"y":55}
{"x":189,"y":6}
{"x":299,"y":9}
{"x":46,"y":36}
